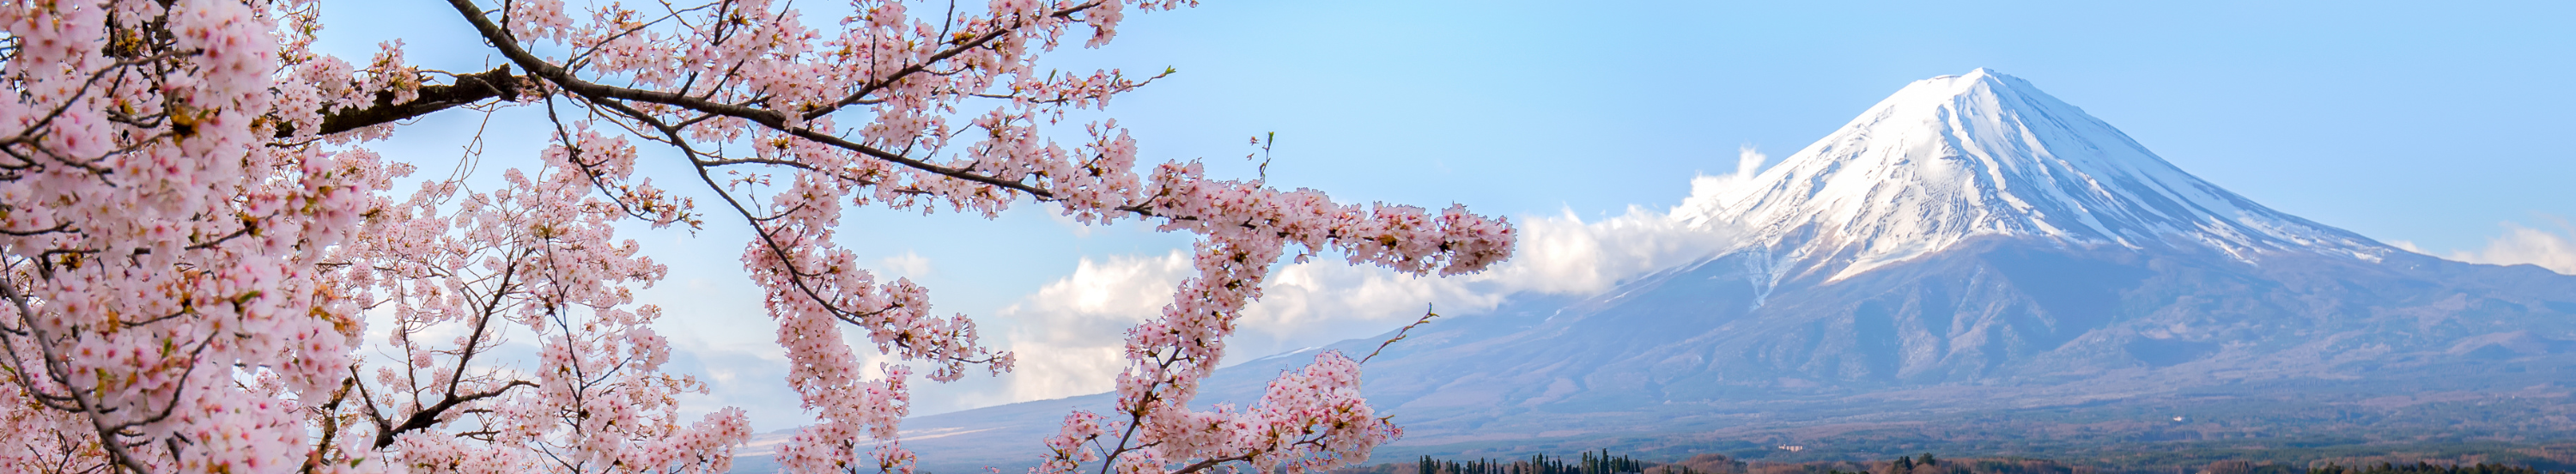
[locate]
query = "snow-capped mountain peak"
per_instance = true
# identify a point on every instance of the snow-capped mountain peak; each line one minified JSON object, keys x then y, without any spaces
{"x":1983,"y":153}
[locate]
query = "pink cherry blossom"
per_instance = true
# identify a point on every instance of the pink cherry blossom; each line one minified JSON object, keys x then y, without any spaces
{"x":194,"y":236}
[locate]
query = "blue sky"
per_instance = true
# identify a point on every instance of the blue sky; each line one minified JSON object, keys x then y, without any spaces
{"x":2443,"y":125}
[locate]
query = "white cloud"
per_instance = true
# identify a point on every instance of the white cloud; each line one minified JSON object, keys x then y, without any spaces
{"x":1709,"y":193}
{"x":2409,"y":246}
{"x":909,"y":265}
{"x":2555,"y":251}
{"x":1070,"y":333}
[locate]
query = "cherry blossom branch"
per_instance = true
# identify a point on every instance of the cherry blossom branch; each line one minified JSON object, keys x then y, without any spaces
{"x":466,"y":89}
{"x":916,"y":68}
{"x":330,"y":425}
{"x":766,"y":235}
{"x":647,"y":208}
{"x":1214,"y":462}
{"x":117,"y":452}
{"x":429,"y":416}
{"x":214,"y":191}
{"x":509,"y":48}
{"x":1427,"y":314}
{"x":46,"y":121}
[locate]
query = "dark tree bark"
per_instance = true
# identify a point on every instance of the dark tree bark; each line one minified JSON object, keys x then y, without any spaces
{"x":468,"y":89}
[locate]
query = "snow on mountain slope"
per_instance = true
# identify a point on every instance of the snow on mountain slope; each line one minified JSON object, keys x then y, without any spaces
{"x":1954,"y":157}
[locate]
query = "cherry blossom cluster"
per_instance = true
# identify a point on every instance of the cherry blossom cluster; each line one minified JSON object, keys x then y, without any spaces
{"x":758,"y":76}
{"x":1310,"y":420}
{"x":158,"y":252}
{"x":193,"y":238}
{"x":462,"y":272}
{"x":187,"y":263}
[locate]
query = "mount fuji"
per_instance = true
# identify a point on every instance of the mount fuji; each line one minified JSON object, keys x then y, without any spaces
{"x":1975,"y":266}
{"x":1954,"y":158}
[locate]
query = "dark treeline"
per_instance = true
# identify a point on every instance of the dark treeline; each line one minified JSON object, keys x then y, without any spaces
{"x":2243,"y":467}
{"x":2424,"y":468}
{"x":1590,"y":463}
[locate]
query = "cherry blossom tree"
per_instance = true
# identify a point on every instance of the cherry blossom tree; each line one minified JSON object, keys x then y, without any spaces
{"x":194,"y":238}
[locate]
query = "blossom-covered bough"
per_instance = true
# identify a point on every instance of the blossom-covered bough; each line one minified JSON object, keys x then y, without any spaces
{"x":195,"y":238}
